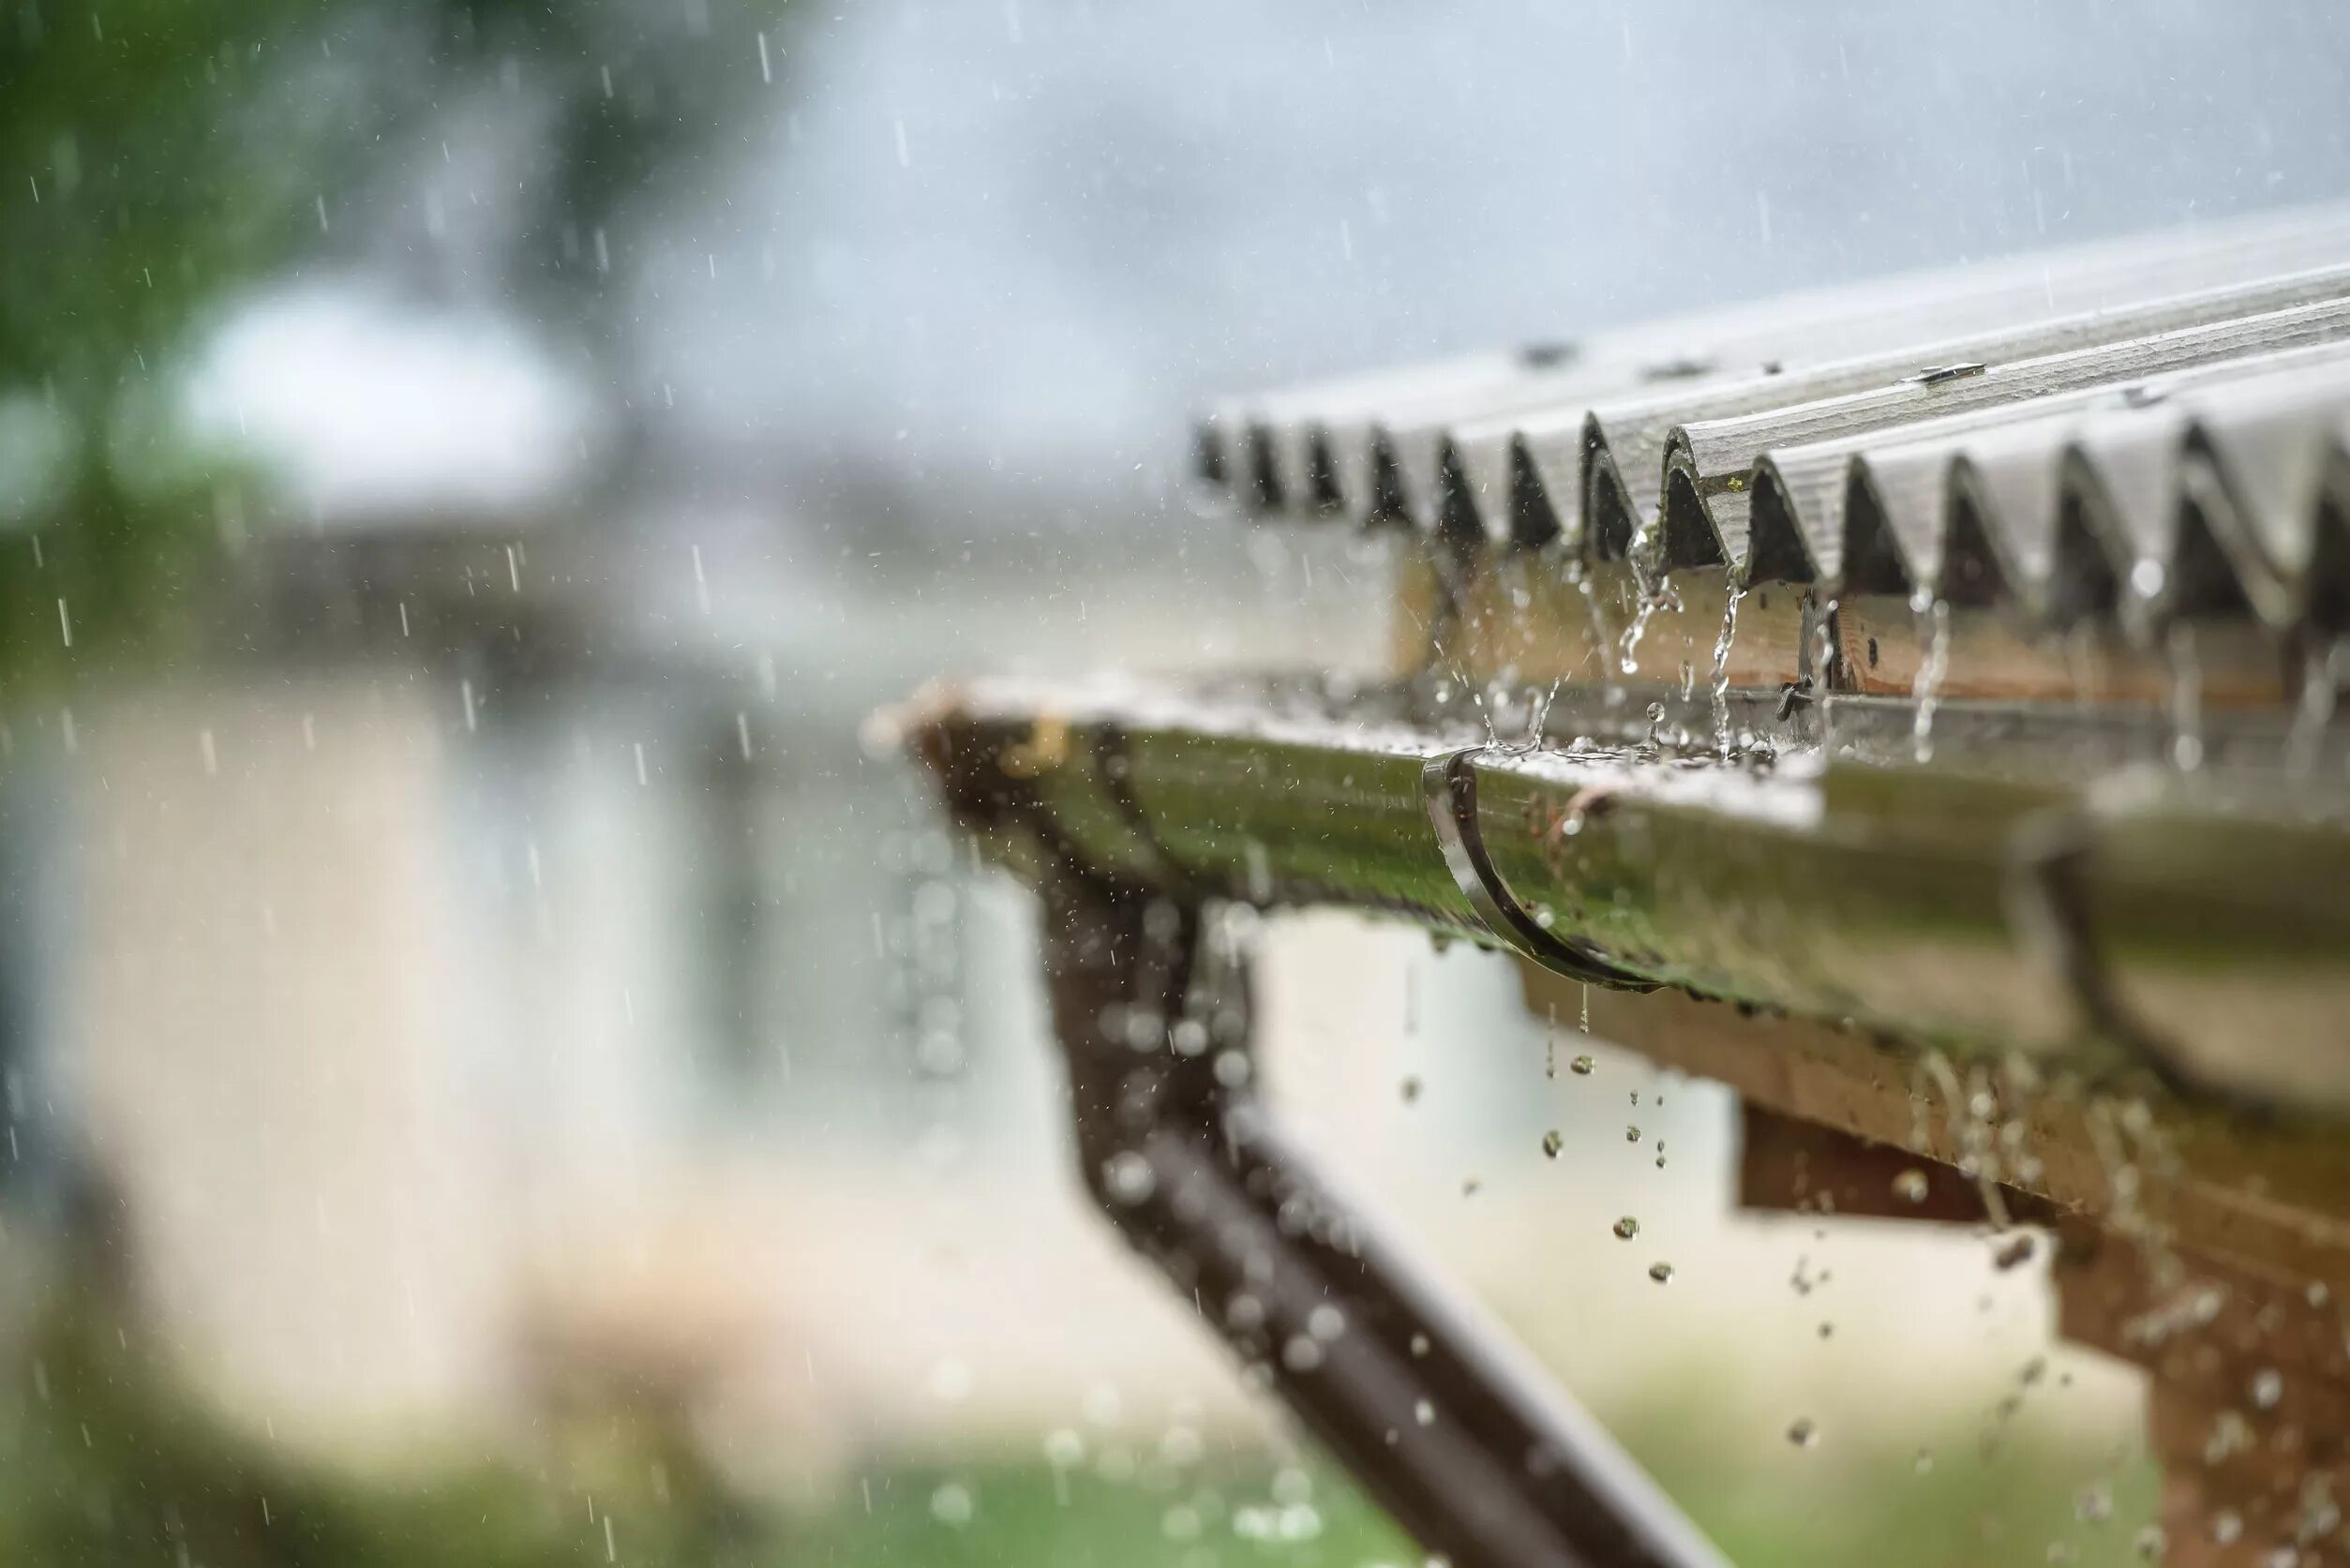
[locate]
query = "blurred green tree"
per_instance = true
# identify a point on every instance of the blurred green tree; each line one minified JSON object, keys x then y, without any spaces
{"x":158,"y":157}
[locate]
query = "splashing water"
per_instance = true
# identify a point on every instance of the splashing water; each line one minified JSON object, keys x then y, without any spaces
{"x":1541,"y":720}
{"x":1477,"y":695}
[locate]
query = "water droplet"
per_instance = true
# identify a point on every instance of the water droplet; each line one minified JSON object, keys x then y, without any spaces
{"x":2014,"y":1254}
{"x":1924,"y":1463}
{"x":1410,"y":1091}
{"x":1631,"y":1135}
{"x":1627,"y":1228}
{"x":2151,"y":1542}
{"x":1302,"y":1353}
{"x":1419,"y":1345}
{"x":1424,"y":1412}
{"x":2268,"y":1388}
{"x":2226,"y":1525}
{"x":1911,"y":1187}
{"x":951,"y":1504}
{"x":2095,"y":1505}
{"x":1661,"y":1272}
{"x":1581,"y":1067}
{"x":1553,"y":1143}
{"x":1064,"y":1447}
{"x":1802,"y":1433}
{"x":1325,"y":1322}
{"x":1128,"y":1177}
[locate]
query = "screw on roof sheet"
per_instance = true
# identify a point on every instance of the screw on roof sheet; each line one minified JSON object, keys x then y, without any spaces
{"x":1933,"y":375}
{"x":1546,"y":356}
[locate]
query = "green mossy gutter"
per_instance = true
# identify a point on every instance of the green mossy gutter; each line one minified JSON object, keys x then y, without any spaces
{"x":2165,"y":926}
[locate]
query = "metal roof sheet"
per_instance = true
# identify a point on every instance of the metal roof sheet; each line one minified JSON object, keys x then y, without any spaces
{"x":2146,"y":430}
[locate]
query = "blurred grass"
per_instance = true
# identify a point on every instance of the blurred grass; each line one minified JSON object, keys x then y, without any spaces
{"x":105,"y":1460}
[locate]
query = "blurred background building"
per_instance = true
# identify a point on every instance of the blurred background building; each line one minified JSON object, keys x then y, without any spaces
{"x":467,"y":997}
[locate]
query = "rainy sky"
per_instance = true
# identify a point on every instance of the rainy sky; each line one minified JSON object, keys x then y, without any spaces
{"x":1021,"y":230}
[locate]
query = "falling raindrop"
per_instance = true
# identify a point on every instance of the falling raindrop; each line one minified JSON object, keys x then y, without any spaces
{"x":2186,"y":697}
{"x":2268,"y":1388}
{"x":951,"y":1504}
{"x":1926,"y":689}
{"x":1553,"y":1143}
{"x":1128,"y":1177}
{"x":1723,"y":739}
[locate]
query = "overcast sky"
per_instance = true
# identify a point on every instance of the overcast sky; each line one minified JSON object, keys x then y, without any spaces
{"x":1034,"y":232}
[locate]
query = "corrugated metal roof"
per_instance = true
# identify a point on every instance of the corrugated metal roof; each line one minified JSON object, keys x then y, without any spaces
{"x":2146,"y":430}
